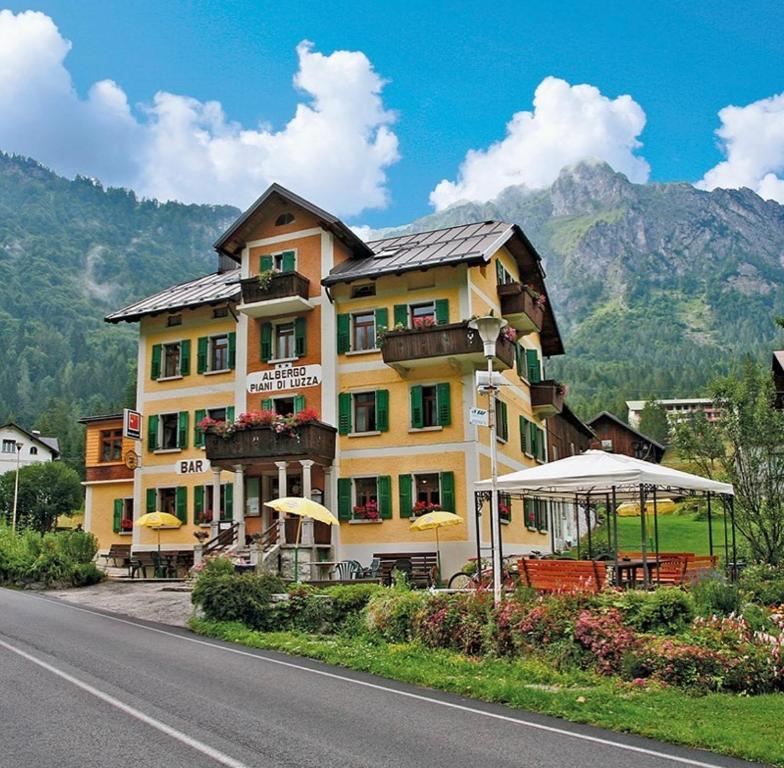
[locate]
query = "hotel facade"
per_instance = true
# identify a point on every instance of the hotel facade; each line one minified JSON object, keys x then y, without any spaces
{"x":345,"y":372}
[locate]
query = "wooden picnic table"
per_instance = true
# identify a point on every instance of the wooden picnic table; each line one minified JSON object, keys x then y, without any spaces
{"x":628,"y":569}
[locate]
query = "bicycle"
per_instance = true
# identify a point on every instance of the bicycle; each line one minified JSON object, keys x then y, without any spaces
{"x":509,"y":575}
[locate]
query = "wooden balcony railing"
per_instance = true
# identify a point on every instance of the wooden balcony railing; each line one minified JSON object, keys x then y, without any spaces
{"x":282,"y":285}
{"x":547,"y":398}
{"x":519,"y":307}
{"x":455,"y":342}
{"x":313,"y":440}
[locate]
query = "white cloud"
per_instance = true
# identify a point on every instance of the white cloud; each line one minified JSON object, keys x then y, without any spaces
{"x":568,"y":123}
{"x":752,"y":138}
{"x":335,"y":149}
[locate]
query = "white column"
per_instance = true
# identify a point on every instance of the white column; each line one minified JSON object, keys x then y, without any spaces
{"x":330,"y":499}
{"x":216,"y":510}
{"x":307,"y":523}
{"x":282,"y":487}
{"x":238,"y":501}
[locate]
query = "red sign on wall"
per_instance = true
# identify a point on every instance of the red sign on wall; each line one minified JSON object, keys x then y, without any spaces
{"x":132,"y":424}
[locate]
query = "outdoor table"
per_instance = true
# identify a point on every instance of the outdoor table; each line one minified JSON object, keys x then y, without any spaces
{"x":167,"y":565}
{"x":627,"y":570}
{"x":322,"y":564}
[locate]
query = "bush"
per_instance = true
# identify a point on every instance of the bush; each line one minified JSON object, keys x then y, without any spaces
{"x":246,"y":598}
{"x":763,"y":584}
{"x":86,"y":574}
{"x":78,"y":546}
{"x":51,"y":566}
{"x":716,"y":596}
{"x":666,"y":610}
{"x":390,"y":613}
{"x":456,"y":622}
{"x":605,"y":638}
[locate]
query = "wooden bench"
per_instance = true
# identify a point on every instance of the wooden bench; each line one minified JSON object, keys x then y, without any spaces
{"x":563,"y":575}
{"x":679,"y":571}
{"x":420,"y":567}
{"x":169,"y":563}
{"x":121,"y":552}
{"x":662,"y":555}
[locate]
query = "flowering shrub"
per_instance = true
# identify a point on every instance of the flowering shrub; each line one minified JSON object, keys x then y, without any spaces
{"x":424,"y":322}
{"x":605,"y":637}
{"x":423,"y":507}
{"x":264,"y":418}
{"x":367,"y":511}
{"x":509,"y":333}
{"x":457,"y":622}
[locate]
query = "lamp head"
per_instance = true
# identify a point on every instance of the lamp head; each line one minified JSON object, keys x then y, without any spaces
{"x":19,"y":446}
{"x":488,"y":328}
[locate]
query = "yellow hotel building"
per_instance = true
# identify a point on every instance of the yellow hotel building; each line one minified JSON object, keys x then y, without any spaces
{"x":367,"y":345}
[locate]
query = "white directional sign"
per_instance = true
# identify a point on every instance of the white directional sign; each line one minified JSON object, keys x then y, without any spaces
{"x":283,"y":378}
{"x":479,"y":417}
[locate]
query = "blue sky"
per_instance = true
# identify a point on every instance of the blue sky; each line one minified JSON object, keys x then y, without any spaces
{"x":455,"y":75}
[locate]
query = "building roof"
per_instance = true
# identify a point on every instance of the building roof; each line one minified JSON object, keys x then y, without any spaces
{"x":210,"y":289}
{"x":107,"y":417}
{"x":472,"y":243}
{"x":614,"y":418}
{"x":569,"y":415}
{"x":638,"y":405}
{"x":233,"y":239}
{"x":778,"y":360}
{"x":52,"y":444}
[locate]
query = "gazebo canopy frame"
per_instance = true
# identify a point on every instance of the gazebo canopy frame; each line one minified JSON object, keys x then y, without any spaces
{"x":595,"y":476}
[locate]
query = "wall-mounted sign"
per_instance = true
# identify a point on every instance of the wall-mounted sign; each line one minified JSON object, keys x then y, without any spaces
{"x":131,"y":459}
{"x":132,"y":424}
{"x":478,"y":416}
{"x":192,"y":466}
{"x":283,"y":378}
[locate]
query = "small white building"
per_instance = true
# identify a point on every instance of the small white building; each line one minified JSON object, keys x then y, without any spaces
{"x":676,"y":409}
{"x":31,"y":447}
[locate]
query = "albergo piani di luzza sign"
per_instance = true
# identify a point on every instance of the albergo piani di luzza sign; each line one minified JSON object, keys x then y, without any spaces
{"x":284,"y":377}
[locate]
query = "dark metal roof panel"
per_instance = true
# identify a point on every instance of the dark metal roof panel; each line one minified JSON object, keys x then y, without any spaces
{"x":209,"y":289}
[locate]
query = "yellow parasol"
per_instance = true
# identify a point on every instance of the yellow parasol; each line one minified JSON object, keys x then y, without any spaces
{"x":296,"y":505}
{"x":434,"y":521}
{"x":632,"y":508}
{"x":158,"y":520}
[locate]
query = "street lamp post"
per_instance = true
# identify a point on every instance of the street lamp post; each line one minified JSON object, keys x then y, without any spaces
{"x":488,"y":328}
{"x":16,"y":484}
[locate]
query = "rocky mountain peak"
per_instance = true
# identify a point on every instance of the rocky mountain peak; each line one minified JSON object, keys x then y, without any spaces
{"x":587,"y":187}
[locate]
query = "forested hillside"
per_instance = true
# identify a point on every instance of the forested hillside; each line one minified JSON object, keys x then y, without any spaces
{"x":69,"y":252}
{"x":657,"y":288}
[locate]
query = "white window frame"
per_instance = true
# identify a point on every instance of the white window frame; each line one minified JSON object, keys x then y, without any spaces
{"x":278,"y":258}
{"x":354,"y":430}
{"x":414,"y":476}
{"x":210,"y":340}
{"x":125,"y":502}
{"x":159,"y":440}
{"x":354,"y":479}
{"x":275,"y":324}
{"x":375,"y":346}
{"x":413,"y":304}
{"x":177,"y":375}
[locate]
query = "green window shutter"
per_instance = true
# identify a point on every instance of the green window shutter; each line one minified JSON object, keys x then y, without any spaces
{"x":541,"y":445}
{"x":382,"y":410}
{"x":266,"y":342}
{"x":117,"y":519}
{"x":404,"y":495}
{"x":400,"y":314}
{"x":520,"y":360}
{"x":265,"y":263}
{"x":232,"y":349}
{"x":155,"y":368}
{"x":267,"y":404}
{"x":299,"y":404}
{"x":152,"y":433}
{"x":344,"y":334}
{"x":230,"y":414}
{"x":344,"y":498}
{"x":182,"y":504}
{"x":523,"y":431}
{"x":503,"y":424}
{"x":382,"y":319}
{"x":534,"y":374}
{"x":448,"y":491}
{"x":417,"y":416}
{"x":344,"y":413}
{"x":442,"y":311}
{"x":227,"y":511}
{"x":499,"y":271}
{"x":534,"y":444}
{"x":201,"y":354}
{"x":542,"y":523}
{"x":182,"y":431}
{"x":198,"y":504}
{"x":185,"y":357}
{"x":198,"y":434}
{"x":444,"y":401}
{"x":288,"y":261}
{"x":299,"y":337}
{"x":152,"y":499}
{"x":384,"y":487}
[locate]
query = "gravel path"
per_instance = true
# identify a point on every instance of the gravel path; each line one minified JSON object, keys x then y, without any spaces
{"x":149,"y":601}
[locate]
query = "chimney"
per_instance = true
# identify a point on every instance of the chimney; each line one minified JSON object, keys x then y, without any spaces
{"x":36,"y":432}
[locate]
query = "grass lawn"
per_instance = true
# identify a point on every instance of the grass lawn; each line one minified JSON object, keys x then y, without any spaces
{"x":677,"y":533}
{"x":743,"y":726}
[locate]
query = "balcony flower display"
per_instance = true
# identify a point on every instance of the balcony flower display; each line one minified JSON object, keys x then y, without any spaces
{"x":539,"y":298}
{"x":276,"y":422}
{"x":367,"y":511}
{"x":126,"y":524}
{"x":509,"y":333}
{"x":423,"y":507}
{"x":424,"y":322}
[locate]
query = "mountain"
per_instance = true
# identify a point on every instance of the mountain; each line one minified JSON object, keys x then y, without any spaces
{"x":657,"y":288}
{"x":69,"y":252}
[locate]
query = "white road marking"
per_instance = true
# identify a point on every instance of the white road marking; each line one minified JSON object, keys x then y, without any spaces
{"x":407,"y":694}
{"x":183,"y":738}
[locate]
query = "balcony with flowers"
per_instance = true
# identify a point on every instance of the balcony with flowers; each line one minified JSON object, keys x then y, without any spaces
{"x":522,"y":306}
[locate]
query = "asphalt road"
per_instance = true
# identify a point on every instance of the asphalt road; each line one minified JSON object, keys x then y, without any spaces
{"x":82,"y":688}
